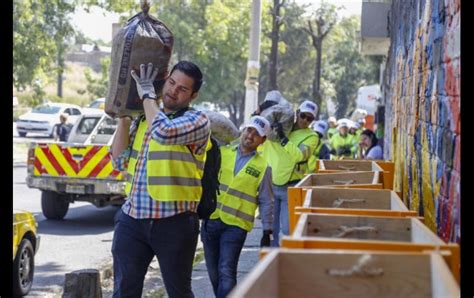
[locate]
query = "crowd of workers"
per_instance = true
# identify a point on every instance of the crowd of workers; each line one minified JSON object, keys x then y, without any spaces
{"x":163,"y":153}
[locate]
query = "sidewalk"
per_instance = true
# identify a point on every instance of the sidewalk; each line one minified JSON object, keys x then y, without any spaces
{"x":153,"y":285}
{"x":201,"y":284}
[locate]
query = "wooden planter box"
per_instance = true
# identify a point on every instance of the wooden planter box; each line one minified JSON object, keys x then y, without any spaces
{"x":329,"y":200}
{"x":360,"y":179}
{"x":349,"y":273}
{"x":368,"y":232}
{"x":386,"y":168}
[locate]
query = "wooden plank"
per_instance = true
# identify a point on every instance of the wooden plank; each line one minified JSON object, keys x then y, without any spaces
{"x":421,"y":233}
{"x":444,"y":283}
{"x":453,"y":260}
{"x":396,"y":202}
{"x":295,"y":198}
{"x":348,"y":273}
{"x":343,"y":178}
{"x":356,"y":227}
{"x":307,"y":274}
{"x":351,"y":211}
{"x":341,"y":198}
{"x":265,"y":275}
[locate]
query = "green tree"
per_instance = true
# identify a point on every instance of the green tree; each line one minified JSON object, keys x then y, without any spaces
{"x":34,"y":48}
{"x":346,"y":68}
{"x":324,"y":18}
{"x":296,"y":57}
{"x":97,"y":86}
{"x":277,"y":22}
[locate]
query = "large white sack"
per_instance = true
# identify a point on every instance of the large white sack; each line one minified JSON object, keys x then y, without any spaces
{"x":281,"y":112}
{"x":222,"y":128}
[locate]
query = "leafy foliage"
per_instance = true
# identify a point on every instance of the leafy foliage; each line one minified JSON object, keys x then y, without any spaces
{"x":97,"y":86}
{"x":41,"y":31}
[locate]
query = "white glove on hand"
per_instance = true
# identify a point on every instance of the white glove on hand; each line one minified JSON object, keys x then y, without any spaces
{"x":145,"y":81}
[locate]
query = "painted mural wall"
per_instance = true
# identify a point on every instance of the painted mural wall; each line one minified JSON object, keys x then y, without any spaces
{"x":422,"y":96}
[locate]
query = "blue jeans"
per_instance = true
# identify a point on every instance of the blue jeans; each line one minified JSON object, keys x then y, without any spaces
{"x":280,"y":213}
{"x":222,"y":246}
{"x":136,"y":241}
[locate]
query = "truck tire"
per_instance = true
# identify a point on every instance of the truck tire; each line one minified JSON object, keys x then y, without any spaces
{"x":23,"y":268}
{"x":53,"y":205}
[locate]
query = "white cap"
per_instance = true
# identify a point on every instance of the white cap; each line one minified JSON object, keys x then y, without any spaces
{"x":321,"y":126}
{"x":309,"y":107}
{"x":332,"y":119}
{"x":342,"y":123}
{"x":353,"y":124}
{"x":274,"y":95}
{"x":260,"y":123}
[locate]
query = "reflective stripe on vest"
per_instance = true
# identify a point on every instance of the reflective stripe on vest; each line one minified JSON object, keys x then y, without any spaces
{"x":237,"y":202}
{"x":173,"y":172}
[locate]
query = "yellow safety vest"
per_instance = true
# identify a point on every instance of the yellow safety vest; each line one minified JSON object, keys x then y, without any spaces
{"x":237,"y":202}
{"x":337,"y":141}
{"x":174,"y":173}
{"x":313,"y":159}
{"x":282,"y":161}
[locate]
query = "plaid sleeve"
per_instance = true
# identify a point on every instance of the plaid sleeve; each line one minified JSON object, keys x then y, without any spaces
{"x":192,"y":129}
{"x":121,"y":162}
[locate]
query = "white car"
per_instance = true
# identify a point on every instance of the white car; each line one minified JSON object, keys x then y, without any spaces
{"x":42,"y":119}
{"x":99,"y":103}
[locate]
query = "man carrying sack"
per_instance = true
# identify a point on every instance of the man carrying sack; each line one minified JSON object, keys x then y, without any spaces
{"x":163,"y":152}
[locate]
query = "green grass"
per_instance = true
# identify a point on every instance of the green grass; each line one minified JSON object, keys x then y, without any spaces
{"x":198,"y":256}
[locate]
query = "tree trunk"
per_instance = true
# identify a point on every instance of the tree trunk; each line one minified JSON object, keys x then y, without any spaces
{"x":275,"y":36}
{"x":241,"y":107}
{"x":60,"y":72}
{"x":317,"y":74}
{"x":82,"y":283}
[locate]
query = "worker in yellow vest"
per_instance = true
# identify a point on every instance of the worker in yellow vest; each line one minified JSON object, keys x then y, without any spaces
{"x":245,"y":184}
{"x":341,"y":143}
{"x":163,"y":152}
{"x":332,"y":126}
{"x":288,"y":157}
{"x":354,"y":133}
{"x":322,"y":150}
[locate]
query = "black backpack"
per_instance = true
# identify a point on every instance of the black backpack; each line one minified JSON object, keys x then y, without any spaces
{"x":210,"y":181}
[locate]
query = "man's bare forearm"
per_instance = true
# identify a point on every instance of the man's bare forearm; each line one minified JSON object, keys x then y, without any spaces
{"x":151,"y":109}
{"x":121,"y":139}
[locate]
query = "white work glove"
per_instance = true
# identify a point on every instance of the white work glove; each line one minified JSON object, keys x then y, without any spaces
{"x":145,"y":81}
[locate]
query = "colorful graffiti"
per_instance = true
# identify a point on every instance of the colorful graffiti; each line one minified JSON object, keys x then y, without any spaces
{"x":423,"y":136}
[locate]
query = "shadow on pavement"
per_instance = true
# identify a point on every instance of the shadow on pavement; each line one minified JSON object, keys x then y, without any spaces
{"x":83,"y":220}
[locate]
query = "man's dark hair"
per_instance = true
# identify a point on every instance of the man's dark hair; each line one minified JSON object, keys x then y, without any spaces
{"x":192,"y":70}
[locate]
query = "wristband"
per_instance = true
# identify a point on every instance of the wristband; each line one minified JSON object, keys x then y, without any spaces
{"x":148,"y":96}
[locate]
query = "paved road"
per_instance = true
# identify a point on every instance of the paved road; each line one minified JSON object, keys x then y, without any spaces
{"x":82,"y":240}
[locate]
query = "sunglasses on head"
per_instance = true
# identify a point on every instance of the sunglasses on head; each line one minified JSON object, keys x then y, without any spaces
{"x":307,"y":117}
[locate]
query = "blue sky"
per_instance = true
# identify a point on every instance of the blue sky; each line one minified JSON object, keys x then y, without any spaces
{"x":98,"y":23}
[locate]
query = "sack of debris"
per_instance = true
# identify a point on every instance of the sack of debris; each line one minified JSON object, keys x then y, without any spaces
{"x":222,"y":129}
{"x":275,"y":108}
{"x":143,"y":39}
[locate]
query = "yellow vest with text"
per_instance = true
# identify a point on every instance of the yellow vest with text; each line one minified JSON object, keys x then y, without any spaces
{"x":237,"y":202}
{"x":174,"y":173}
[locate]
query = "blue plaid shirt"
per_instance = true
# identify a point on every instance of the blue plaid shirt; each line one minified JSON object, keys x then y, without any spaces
{"x":191,"y":129}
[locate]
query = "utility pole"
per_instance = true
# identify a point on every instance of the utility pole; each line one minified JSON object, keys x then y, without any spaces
{"x":253,"y":63}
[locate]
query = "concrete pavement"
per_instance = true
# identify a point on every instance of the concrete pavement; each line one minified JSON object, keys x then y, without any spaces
{"x":201,"y":284}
